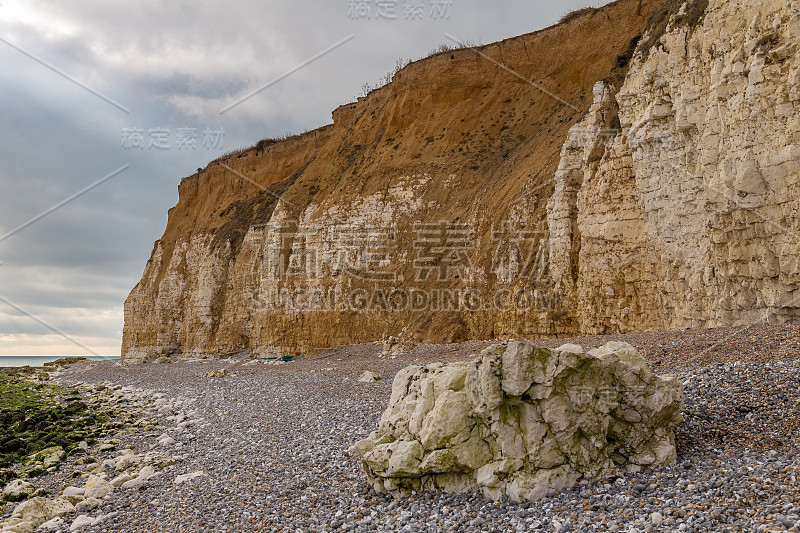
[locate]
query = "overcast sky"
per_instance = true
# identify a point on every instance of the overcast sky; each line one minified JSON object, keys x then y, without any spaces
{"x":85,"y":83}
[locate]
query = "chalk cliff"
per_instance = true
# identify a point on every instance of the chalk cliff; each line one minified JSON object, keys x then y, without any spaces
{"x":633,"y":168}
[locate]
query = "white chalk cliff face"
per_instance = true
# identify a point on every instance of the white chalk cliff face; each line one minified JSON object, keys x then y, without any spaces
{"x":690,"y":216}
{"x":674,"y":203}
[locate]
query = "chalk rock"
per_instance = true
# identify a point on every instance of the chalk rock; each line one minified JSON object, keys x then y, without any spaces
{"x":134,"y":483}
{"x":73,"y":491}
{"x":55,"y":523}
{"x":73,"y":499}
{"x":50,"y":456}
{"x":219,"y":373}
{"x":37,"y":511}
{"x":104,"y":518}
{"x":97,"y":487}
{"x":523,"y":421}
{"x":120,"y":479}
{"x":81,"y":522}
{"x":89,"y":504}
{"x":129,"y":462}
{"x":369,"y":377}
{"x":396,"y":346}
{"x":18,"y":490}
{"x":166,"y":441}
{"x":188,"y":477}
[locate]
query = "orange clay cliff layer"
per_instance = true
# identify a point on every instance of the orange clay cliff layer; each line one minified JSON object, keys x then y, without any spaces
{"x":644,"y":177}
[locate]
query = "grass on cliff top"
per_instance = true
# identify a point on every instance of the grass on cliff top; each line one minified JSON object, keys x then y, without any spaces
{"x":35,"y":416}
{"x":577,"y":13}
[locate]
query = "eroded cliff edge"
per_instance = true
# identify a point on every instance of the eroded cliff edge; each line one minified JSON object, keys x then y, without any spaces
{"x":633,"y":168}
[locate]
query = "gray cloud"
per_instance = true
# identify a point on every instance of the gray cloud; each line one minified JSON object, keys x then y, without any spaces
{"x":173,"y":65}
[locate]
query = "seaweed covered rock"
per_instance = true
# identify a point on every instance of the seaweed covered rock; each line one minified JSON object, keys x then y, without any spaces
{"x":523,"y":421}
{"x":36,"y":511}
{"x":19,"y":489}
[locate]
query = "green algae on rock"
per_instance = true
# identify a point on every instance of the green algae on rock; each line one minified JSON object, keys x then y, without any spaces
{"x":41,"y":423}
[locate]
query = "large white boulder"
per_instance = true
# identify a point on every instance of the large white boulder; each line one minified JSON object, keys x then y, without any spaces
{"x":523,"y":421}
{"x":37,"y":511}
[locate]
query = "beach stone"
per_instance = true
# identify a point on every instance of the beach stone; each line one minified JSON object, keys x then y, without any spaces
{"x":140,"y":479}
{"x":394,"y":346}
{"x":96,"y":469}
{"x":166,"y":441}
{"x":74,"y":499}
{"x":369,"y":377}
{"x":39,"y":510}
{"x":73,"y":491}
{"x":134,"y":483}
{"x":147,"y":472}
{"x":89,"y":504}
{"x":104,"y":518}
{"x":125,"y":462}
{"x":188,"y":477}
{"x":221,"y":373}
{"x":50,"y":456}
{"x":81,"y":522}
{"x":18,"y":490}
{"x":523,"y":421}
{"x":157,"y":459}
{"x":55,"y":523}
{"x":120,"y":479}
{"x":17,"y":526}
{"x":97,"y":487}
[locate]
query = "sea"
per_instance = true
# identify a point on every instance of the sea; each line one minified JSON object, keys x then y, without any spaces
{"x":9,"y":361}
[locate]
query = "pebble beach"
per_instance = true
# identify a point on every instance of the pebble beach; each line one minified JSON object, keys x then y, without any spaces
{"x":266,"y":447}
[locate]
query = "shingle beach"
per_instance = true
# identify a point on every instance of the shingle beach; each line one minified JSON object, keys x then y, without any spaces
{"x":269,"y":446}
